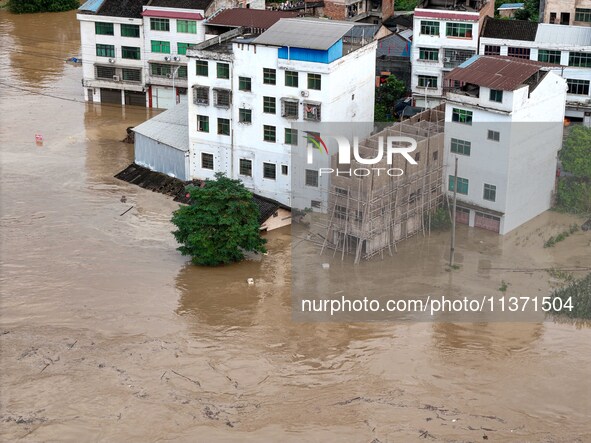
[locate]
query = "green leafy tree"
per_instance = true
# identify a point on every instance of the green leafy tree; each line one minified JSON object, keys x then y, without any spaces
{"x":31,"y":6}
{"x":576,"y":152}
{"x":386,"y":96}
{"x":530,"y":11}
{"x":220,"y":223}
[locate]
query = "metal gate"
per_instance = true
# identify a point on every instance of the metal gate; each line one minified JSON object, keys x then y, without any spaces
{"x":111,"y":96}
{"x":486,"y":221}
{"x":135,"y":98}
{"x":462,"y":216}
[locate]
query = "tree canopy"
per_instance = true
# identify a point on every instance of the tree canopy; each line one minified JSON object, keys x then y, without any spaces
{"x":386,"y":96}
{"x":220,"y":223}
{"x":30,"y":6}
{"x":576,"y":152}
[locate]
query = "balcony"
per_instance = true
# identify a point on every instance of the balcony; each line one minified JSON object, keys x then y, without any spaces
{"x":312,"y":111}
{"x":452,"y":58}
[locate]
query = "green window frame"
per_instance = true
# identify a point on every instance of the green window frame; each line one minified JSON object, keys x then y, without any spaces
{"x":314,"y":81}
{"x":159,"y":69}
{"x":429,"y":54}
{"x":429,"y":27}
{"x":207,"y":160}
{"x":291,"y":79}
{"x":181,"y":48}
{"x":548,"y":56}
{"x":160,"y":46}
{"x":269,"y":76}
{"x":160,"y":24}
{"x":460,"y":146}
{"x":580,"y":59}
{"x":291,"y":136}
{"x":245,"y":84}
{"x":202,"y":68}
{"x":103,"y":28}
{"x":223,"y":126}
{"x":462,"y":185}
{"x":186,"y":26}
{"x":245,"y":167}
{"x":494,"y":136}
{"x":269,"y":105}
{"x":583,"y":15}
{"x":245,"y":115}
{"x":496,"y":95}
{"x":459,"y":30}
{"x":461,"y":116}
{"x":130,"y":53}
{"x":131,"y":75}
{"x":490,"y":192}
{"x":424,"y":80}
{"x":182,"y":71}
{"x":223,"y":70}
{"x":269,"y":133}
{"x":128,"y":30}
{"x":202,"y":123}
{"x":105,"y":50}
{"x":270,"y":171}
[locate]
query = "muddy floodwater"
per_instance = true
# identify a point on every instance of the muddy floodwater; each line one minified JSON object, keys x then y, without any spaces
{"x":108,"y":334}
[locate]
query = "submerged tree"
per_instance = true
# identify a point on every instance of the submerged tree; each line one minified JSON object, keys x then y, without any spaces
{"x":30,"y":6}
{"x":220,"y":224}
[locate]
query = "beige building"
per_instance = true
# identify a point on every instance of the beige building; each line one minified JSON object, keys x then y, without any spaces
{"x":566,"y":12}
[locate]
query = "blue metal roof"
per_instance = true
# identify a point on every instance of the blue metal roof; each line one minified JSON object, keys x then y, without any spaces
{"x":511,"y":6}
{"x":469,"y":61}
{"x":91,"y":5}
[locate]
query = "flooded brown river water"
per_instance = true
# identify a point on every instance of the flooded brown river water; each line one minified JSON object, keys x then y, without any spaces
{"x":109,"y":335}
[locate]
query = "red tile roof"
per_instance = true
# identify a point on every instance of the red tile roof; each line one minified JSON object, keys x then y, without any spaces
{"x":444,"y":15}
{"x":172,"y":14}
{"x":249,"y":18}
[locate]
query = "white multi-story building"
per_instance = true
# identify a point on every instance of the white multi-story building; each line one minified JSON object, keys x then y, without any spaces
{"x":504,"y":124}
{"x":247,"y":93}
{"x":443,"y":38}
{"x":566,"y":47}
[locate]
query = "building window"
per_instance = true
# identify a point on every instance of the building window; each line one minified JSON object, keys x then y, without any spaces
{"x":342,"y":192}
{"x":316,"y":204}
{"x":435,"y":155}
{"x":496,"y":96}
{"x":245,"y":84}
{"x":206,"y":161}
{"x":201,"y":95}
{"x":460,"y":146}
{"x":160,"y":24}
{"x":314,"y":81}
{"x":291,"y":79}
{"x":312,"y":112}
{"x":223,"y":126}
{"x":269,"y":105}
{"x":269,"y":171}
{"x":161,"y":47}
{"x":291,"y":136}
{"x":130,"y":30}
{"x":284,"y":169}
{"x":461,"y":116}
{"x":221,"y":97}
{"x":105,"y":72}
{"x":244,"y":115}
{"x":130,"y":52}
{"x":202,"y":68}
{"x":519,"y":52}
{"x":182,"y":71}
{"x":427,"y":81}
{"x":583,"y":15}
{"x":102,"y":28}
{"x":494,"y":136}
{"x":269,"y":133}
{"x":269,"y":76}
{"x":245,"y":167}
{"x":223,"y":70}
{"x":131,"y":75}
{"x":160,"y":70}
{"x":186,"y":26}
{"x":340,"y":212}
{"x":547,"y":56}
{"x":203,"y":123}
{"x":290,"y":108}
{"x":182,"y":48}
{"x":105,"y":50}
{"x":578,"y":87}
{"x":311,"y":178}
{"x":492,"y":50}
{"x":462,"y":30}
{"x":490,"y":192}
{"x":429,"y":27}
{"x":462,"y":185}
{"x":580,"y":59}
{"x":429,"y":54}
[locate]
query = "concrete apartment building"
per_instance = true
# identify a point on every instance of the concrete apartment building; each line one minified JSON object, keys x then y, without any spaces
{"x":445,"y":35}
{"x":247,"y":92}
{"x":568,"y":48}
{"x":503,"y":122}
{"x":566,"y":12}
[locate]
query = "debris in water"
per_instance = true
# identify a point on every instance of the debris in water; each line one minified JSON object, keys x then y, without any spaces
{"x":250,"y":281}
{"x":325,"y":265}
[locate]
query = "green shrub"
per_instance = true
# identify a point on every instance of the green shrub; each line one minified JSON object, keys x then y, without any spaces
{"x":574,"y":195}
{"x":577,"y":294}
{"x":440,"y":219}
{"x":31,"y":6}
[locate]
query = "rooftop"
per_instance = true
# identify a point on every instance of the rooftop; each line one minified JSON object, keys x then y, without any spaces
{"x":249,"y":18}
{"x":453,"y":5}
{"x":170,"y":127}
{"x":181,"y":4}
{"x":503,"y":73}
{"x":565,"y":35}
{"x":121,"y":8}
{"x":510,"y":29}
{"x":511,"y":6}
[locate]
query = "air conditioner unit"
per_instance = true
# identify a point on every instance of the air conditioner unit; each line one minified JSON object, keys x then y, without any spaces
{"x":116,"y":78}
{"x":111,"y":60}
{"x":446,"y":59}
{"x":169,"y":75}
{"x":176,"y":58}
{"x":304,"y":93}
{"x":167,"y":58}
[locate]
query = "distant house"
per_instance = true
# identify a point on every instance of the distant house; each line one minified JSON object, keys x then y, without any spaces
{"x":254,"y":21}
{"x":393,"y":58}
{"x":508,"y":10}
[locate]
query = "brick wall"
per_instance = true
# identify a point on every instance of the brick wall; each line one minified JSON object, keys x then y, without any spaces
{"x":334,"y":10}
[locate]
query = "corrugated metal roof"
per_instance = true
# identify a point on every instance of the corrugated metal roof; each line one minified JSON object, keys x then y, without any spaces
{"x":91,"y":5}
{"x":170,"y":128}
{"x":503,"y":73}
{"x":304,"y":33}
{"x":565,"y":35}
{"x":511,"y":6}
{"x":249,"y":18}
{"x":172,"y":14}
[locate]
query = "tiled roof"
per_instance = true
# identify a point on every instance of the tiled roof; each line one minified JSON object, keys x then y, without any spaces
{"x":249,"y":18}
{"x":172,"y":14}
{"x":509,"y":29}
{"x":181,"y":4}
{"x":122,"y":8}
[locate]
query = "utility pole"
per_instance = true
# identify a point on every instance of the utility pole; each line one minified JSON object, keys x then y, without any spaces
{"x":176,"y":101}
{"x":426,"y":101}
{"x":453,"y":218}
